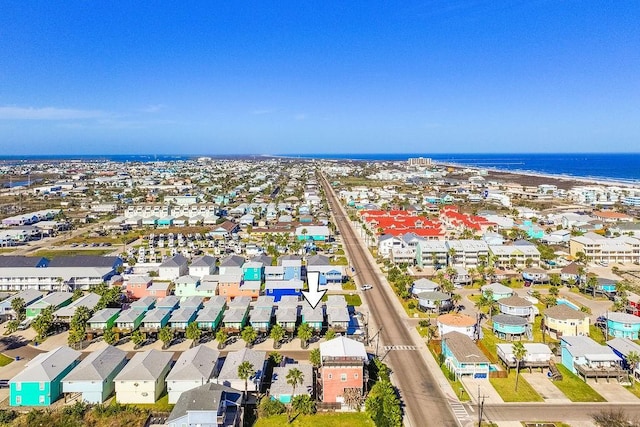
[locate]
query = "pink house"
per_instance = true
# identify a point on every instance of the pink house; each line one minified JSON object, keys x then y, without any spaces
{"x":138,"y":287}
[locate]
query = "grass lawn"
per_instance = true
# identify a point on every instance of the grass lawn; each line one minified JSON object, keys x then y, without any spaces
{"x":340,"y":261}
{"x":353,"y":300}
{"x":162,"y":405}
{"x":5,"y":360}
{"x":597,"y":334}
{"x":506,"y":389}
{"x":331,"y":419}
{"x":53,"y":253}
{"x":634,"y":388}
{"x":349,"y":286}
{"x":489,"y":341}
{"x":576,"y":389}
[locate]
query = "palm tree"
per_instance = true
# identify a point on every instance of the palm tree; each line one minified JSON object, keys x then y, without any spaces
{"x":315,"y":358}
{"x":554,"y":291}
{"x":455,"y":299}
{"x":221,"y":337}
{"x":245,"y":371}
{"x":277,"y":333}
{"x":519,"y":353}
{"x":295,"y":377}
{"x":305,"y":332}
{"x":633,"y":358}
{"x":249,"y":335}
{"x":592,"y":282}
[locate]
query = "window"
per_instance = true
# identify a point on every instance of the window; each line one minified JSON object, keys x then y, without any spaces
{"x":343,"y":377}
{"x":18,"y":386}
{"x":41,"y":385}
{"x":355,"y":376}
{"x":18,"y":400}
{"x":330,"y":376}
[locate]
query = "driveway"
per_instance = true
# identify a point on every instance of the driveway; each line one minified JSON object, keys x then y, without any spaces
{"x":480,"y":387}
{"x":613,"y":391}
{"x":545,"y":388}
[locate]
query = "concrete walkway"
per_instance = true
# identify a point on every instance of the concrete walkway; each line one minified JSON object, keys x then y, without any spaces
{"x":545,"y":387}
{"x":480,"y":387}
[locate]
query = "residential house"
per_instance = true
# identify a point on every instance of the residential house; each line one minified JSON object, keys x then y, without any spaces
{"x":517,"y":306}
{"x":571,"y":273}
{"x":155,"y":319}
{"x":280,"y":288}
{"x":142,"y":380}
{"x":328,"y":273}
{"x":509,"y":327}
{"x":514,"y":256}
{"x":562,"y":320}
{"x":201,"y":266}
{"x":497,"y":290}
{"x":55,"y":300}
{"x":287,"y":314}
{"x":253,"y":270}
{"x":283,"y":391}
{"x":313,"y":232}
{"x":129,"y":320}
{"x":434,"y":300}
{"x":597,"y":248}
{"x":535,"y":275}
{"x":173,"y":267}
{"x":29,"y":296}
{"x":235,"y":318}
{"x":231,"y":284}
{"x":170,"y":302}
{"x":210,"y":316}
{"x":64,"y":314}
{"x":314,"y":317}
{"x":136,"y":286}
{"x":186,"y":286}
{"x":144,"y":304}
{"x":466,"y":253}
{"x":342,"y":368}
{"x":622,"y":325}
{"x":457,"y":322}
{"x":194,"y":367}
{"x":101,"y":320}
{"x":424,"y":285}
{"x":537,"y":355}
{"x":623,"y":347}
{"x":585,"y":357}
{"x":262,"y":314}
{"x":337,"y":313}
{"x":40,"y":382}
{"x":292,"y":265}
{"x":463,"y":357}
{"x":181,"y":317}
{"x":94,"y":376}
{"x":229,"y":373}
{"x":232,"y":261}
{"x":207,"y":405}
{"x":432,"y":254}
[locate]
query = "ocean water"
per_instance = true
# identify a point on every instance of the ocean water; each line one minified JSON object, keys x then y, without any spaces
{"x":624,"y":167}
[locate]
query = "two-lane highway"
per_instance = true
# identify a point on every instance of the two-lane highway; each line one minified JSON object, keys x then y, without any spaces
{"x":424,"y":402}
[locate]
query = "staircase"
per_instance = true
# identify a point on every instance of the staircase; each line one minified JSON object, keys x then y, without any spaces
{"x":555,"y":373}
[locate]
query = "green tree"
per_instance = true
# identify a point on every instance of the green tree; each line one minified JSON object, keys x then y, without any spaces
{"x":519,"y":353}
{"x":246,"y":371}
{"x":277,"y":333}
{"x":275,"y":358}
{"x":166,"y":336}
{"x":554,"y":291}
{"x":221,"y":337}
{"x":633,"y":358}
{"x":330,"y":334}
{"x":249,"y":335}
{"x":18,"y":307}
{"x":78,"y":325}
{"x":77,"y":294}
{"x":12,"y":326}
{"x":137,"y":337}
{"x":193,"y":332}
{"x":295,"y":377}
{"x":109,"y":336}
{"x":42,"y":324}
{"x":305,"y":332}
{"x":383,"y":406}
{"x":303,"y":404}
{"x":269,"y":407}
{"x":315,"y":358}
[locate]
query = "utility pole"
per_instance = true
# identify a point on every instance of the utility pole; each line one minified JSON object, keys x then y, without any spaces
{"x":480,"y":406}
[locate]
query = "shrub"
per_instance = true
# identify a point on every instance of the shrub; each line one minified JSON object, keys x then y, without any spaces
{"x":270,"y":407}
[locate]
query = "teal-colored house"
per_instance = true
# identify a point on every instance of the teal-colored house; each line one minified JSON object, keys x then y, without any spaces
{"x":54,"y":299}
{"x":103,"y":319}
{"x":155,"y":320}
{"x":253,"y":271}
{"x":622,"y":325}
{"x":129,"y":320}
{"x":510,"y":327}
{"x":463,"y":357}
{"x":533,"y":230}
{"x":40,"y":382}
{"x":498,"y":291}
{"x":210,"y":316}
{"x":313,"y":317}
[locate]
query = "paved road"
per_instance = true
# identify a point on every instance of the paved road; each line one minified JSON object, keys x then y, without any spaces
{"x":572,"y":413}
{"x":424,"y":402}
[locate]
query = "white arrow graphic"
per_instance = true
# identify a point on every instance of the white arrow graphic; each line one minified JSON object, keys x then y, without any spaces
{"x":314,"y":294}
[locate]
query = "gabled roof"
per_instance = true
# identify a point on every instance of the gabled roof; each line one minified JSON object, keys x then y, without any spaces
{"x":229,"y":370}
{"x":98,"y":365}
{"x":174,"y":261}
{"x":204,"y":261}
{"x":318,"y":260}
{"x":20,"y":261}
{"x":623,"y":346}
{"x":47,"y":366}
{"x":145,"y":366}
{"x":232,"y":261}
{"x":205,"y":398}
{"x":103,"y":315}
{"x":144,"y":303}
{"x":463,"y":348}
{"x":195,"y":364}
{"x":90,"y":301}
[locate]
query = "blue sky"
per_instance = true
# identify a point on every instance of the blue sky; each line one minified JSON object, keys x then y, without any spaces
{"x":81,"y":77}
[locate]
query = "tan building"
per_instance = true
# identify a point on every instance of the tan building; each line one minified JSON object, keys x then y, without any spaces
{"x":562,"y":320}
{"x":597,"y":248}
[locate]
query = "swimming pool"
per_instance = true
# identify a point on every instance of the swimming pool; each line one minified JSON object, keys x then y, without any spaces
{"x":567,"y":303}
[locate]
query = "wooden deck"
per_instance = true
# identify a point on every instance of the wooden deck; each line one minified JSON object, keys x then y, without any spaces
{"x":605,"y":372}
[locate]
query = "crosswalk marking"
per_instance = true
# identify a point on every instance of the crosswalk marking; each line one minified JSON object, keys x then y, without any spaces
{"x":399,"y":347}
{"x":459,"y":411}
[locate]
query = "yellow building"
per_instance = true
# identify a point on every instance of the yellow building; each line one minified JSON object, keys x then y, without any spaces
{"x":562,"y":320}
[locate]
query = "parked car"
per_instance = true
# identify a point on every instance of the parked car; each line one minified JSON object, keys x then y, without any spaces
{"x":366,"y":287}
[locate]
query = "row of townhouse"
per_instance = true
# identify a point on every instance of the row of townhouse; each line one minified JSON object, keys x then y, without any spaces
{"x":470,"y":253}
{"x":149,"y":315}
{"x":30,"y":218}
{"x":201,"y":384}
{"x":63,"y":273}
